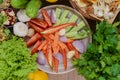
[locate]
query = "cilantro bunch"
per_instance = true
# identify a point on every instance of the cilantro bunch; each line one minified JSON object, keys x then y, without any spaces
{"x":102,"y":58}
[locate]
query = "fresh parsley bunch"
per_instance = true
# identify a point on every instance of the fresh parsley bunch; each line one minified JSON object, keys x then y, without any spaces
{"x":102,"y":58}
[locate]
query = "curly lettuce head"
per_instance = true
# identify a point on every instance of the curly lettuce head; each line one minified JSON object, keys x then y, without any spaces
{"x":16,"y":61}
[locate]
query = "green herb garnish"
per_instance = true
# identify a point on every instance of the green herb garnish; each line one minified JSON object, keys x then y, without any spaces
{"x":1,"y":1}
{"x":7,"y":31}
{"x":3,"y":18}
{"x":102,"y":58}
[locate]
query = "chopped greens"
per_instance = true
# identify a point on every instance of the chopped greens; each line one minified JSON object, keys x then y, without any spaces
{"x":3,"y":18}
{"x":1,"y":1}
{"x":7,"y":32}
{"x":15,"y":60}
{"x":102,"y":58}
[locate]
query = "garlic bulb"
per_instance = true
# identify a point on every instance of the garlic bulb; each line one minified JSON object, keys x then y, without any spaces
{"x":102,"y":9}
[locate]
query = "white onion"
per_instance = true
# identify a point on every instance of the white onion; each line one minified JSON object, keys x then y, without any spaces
{"x":62,"y":32}
{"x":70,"y":54}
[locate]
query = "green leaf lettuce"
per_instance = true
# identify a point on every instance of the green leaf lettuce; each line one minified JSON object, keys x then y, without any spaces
{"x":16,"y":61}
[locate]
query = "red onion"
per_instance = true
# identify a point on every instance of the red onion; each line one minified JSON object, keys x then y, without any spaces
{"x":79,"y":45}
{"x":41,"y":58}
{"x":53,"y":16}
{"x":63,"y":38}
{"x":59,"y":57}
{"x":85,"y":42}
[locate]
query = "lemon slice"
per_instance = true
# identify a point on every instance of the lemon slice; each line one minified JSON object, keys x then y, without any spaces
{"x":38,"y":75}
{"x":51,"y":1}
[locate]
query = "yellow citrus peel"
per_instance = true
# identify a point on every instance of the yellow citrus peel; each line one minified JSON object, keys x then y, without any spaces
{"x":38,"y":75}
{"x":51,"y":1}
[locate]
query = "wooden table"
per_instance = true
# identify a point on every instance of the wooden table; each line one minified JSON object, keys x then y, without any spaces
{"x":69,"y":76}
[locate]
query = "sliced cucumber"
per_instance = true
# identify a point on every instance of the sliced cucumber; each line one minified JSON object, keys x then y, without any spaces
{"x":57,"y":22}
{"x":58,"y":12}
{"x":65,"y":20}
{"x":75,"y":30}
{"x":79,"y":26}
{"x":72,"y":19}
{"x":78,"y":35}
{"x":63,"y":16}
{"x":71,"y":34}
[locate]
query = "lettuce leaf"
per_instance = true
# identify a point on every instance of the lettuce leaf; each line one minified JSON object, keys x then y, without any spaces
{"x":16,"y":61}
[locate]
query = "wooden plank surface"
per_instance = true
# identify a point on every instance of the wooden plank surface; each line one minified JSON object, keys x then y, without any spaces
{"x":69,"y":76}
